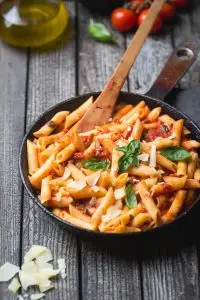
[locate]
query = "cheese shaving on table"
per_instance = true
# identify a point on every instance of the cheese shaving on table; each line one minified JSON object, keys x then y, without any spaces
{"x":8,"y":271}
{"x":77,"y":185}
{"x":14,"y":286}
{"x":152,"y":161}
{"x":37,"y":296}
{"x":62,"y":267}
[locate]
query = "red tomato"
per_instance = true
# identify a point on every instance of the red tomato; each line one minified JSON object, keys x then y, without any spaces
{"x":168,"y":11}
{"x":157,"y":25}
{"x":123,"y":19}
{"x":135,"y":4}
{"x":180,"y":3}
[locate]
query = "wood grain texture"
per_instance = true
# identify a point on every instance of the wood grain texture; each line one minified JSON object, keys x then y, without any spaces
{"x":104,"y":276}
{"x":51,"y":80}
{"x":12,"y":100}
{"x":149,"y":63}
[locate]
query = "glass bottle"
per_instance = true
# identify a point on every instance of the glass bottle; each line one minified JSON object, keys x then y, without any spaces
{"x":32,"y":23}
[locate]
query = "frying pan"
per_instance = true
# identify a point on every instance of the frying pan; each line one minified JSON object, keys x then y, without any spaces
{"x":182,"y":57}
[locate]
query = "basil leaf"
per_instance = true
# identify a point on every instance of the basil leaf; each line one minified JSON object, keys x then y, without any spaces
{"x":175,"y":153}
{"x":122,"y":149}
{"x":95,"y":164}
{"x":98,"y":31}
{"x":134,"y":147}
{"x":124,"y":163}
{"x":130,"y":197}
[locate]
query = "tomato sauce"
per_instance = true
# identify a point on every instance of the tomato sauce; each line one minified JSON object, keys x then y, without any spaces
{"x":161,"y":130}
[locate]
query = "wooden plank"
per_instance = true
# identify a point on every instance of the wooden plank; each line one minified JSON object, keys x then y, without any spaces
{"x":149,"y":63}
{"x":12,"y":103}
{"x":51,"y":80}
{"x":104,"y":276}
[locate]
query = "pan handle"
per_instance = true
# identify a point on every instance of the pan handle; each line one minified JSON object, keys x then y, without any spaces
{"x":181,"y":59}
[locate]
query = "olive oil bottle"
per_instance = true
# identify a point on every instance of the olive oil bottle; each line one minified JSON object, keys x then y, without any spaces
{"x":32,"y":23}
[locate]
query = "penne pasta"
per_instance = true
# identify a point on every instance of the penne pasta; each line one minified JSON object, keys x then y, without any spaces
{"x":86,"y":180}
{"x":32,"y":157}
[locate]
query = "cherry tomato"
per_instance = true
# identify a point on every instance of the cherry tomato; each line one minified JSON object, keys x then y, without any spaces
{"x":168,"y":11}
{"x":135,"y":4}
{"x":157,"y":25}
{"x":180,"y":3}
{"x":123,"y":19}
{"x":160,"y":131}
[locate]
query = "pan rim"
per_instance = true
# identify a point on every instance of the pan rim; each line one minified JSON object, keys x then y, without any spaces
{"x":72,"y":227}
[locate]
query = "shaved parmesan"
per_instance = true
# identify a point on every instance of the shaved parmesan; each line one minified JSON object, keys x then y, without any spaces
{"x":66,"y":174}
{"x":161,"y":171}
{"x":8,"y":271}
{"x":119,"y":193}
{"x":43,"y":265}
{"x":58,"y":196}
{"x":14,"y":286}
{"x":95,"y":188}
{"x":25,"y":295}
{"x":77,"y":185}
{"x":27,"y":279}
{"x":143,"y":157}
{"x":152,"y":161}
{"x":112,"y":212}
{"x":62,"y":267}
{"x":29,"y":267}
{"x":37,"y":296}
{"x":19,"y":297}
{"x":34,"y":252}
{"x":93,"y":178}
{"x":121,"y":143}
{"x":45,"y":257}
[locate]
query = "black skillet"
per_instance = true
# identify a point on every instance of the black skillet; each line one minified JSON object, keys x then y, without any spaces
{"x":180,"y":60}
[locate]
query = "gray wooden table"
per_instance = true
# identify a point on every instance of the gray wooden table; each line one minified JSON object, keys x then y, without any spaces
{"x":31,"y":82}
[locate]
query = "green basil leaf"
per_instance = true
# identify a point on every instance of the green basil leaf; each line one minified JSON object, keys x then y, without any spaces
{"x":134,"y":147}
{"x":98,"y":31}
{"x":124,"y":163}
{"x":175,"y":153}
{"x":122,"y":149}
{"x":95,"y":164}
{"x":130,"y":197}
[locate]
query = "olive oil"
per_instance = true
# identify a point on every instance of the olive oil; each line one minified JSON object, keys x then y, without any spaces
{"x":32,"y":23}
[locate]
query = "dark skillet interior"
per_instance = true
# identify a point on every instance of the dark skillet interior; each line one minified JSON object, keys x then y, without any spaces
{"x":162,"y":233}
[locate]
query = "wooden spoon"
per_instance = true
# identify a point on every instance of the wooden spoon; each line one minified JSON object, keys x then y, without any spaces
{"x":102,"y":108}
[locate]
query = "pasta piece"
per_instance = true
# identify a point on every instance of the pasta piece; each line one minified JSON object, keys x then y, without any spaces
{"x":63,"y":203}
{"x":141,"y":219}
{"x":45,"y":189}
{"x":76,"y":173}
{"x":78,"y":214}
{"x":76,"y":115}
{"x":77,"y":141}
{"x":121,"y":180}
{"x":123,"y":219}
{"x":87,"y":192}
{"x":148,"y":201}
{"x":70,"y":219}
{"x":177,"y":131}
{"x":90,"y":151}
{"x":171,"y":184}
{"x":43,"y":171}
{"x":153,"y":115}
{"x":143,"y":171}
{"x":32,"y":156}
{"x":176,"y":206}
{"x":131,"y":229}
{"x":182,"y":168}
{"x":192,"y":164}
{"x":161,"y":143}
{"x":108,"y":144}
{"x":104,"y":179}
{"x":190,"y":145}
{"x":114,"y":165}
{"x":137,"y":130}
{"x":52,"y":124}
{"x":122,"y":111}
{"x":47,"y":140}
{"x":141,"y":104}
{"x":190,"y":198}
{"x":161,"y":201}
{"x":192,"y":184}
{"x":101,"y":210}
{"x":65,"y":154}
{"x":197,"y":174}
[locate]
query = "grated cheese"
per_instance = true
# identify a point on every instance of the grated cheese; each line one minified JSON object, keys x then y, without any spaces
{"x":14,"y":286}
{"x":8,"y":271}
{"x":152,"y":161}
{"x":119,"y":193}
{"x":93,"y":178}
{"x":143,"y":157}
{"x":77,"y":185}
{"x":37,"y":296}
{"x":112,"y":212}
